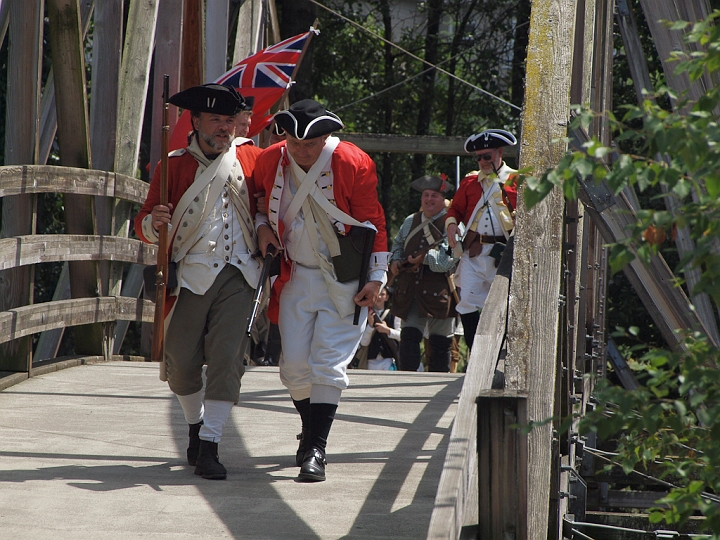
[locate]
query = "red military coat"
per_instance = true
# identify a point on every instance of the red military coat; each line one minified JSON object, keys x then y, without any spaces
{"x":354,"y":190}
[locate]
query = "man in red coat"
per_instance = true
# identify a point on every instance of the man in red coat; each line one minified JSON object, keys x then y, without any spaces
{"x":316,"y":189}
{"x":212,"y":239}
{"x":485,"y":204}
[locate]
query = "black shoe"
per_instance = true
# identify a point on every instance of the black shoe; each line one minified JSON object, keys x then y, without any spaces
{"x":194,"y":443}
{"x":262,"y":361}
{"x":313,"y":466}
{"x":208,"y":465}
{"x":300,"y":454}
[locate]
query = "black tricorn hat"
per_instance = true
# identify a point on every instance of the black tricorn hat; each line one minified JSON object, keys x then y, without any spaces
{"x":490,"y":138}
{"x":211,"y":98}
{"x":280,"y":132}
{"x":307,"y":119}
{"x":249,"y":102}
{"x":436,"y":183}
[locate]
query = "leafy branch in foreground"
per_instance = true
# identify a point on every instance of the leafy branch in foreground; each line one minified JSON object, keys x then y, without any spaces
{"x":673,"y":421}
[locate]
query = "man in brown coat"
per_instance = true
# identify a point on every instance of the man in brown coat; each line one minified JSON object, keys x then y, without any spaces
{"x":422,"y":263}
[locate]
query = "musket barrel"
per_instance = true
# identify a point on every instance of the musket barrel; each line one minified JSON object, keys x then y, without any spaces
{"x":162,"y":255}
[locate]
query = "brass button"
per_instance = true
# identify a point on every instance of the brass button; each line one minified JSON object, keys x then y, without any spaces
{"x":227,"y":248}
{"x":226,"y":237}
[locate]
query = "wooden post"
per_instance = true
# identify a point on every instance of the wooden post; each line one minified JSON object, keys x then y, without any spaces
{"x":502,"y":464}
{"x":192,"y":72}
{"x":667,"y":40}
{"x":534,"y":291}
{"x":4,"y":19}
{"x":167,"y":62}
{"x":216,"y":38}
{"x":641,"y":78}
{"x":132,"y":94}
{"x":134,"y":75}
{"x":21,"y":147}
{"x":248,"y":39}
{"x":68,"y":57}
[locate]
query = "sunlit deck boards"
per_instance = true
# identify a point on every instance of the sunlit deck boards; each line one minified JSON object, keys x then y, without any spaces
{"x":98,"y":451}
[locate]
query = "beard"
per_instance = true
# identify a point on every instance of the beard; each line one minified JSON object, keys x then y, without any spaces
{"x":215,"y":145}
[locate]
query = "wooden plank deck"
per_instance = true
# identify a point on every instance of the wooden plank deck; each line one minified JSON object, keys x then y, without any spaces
{"x":97,"y":451}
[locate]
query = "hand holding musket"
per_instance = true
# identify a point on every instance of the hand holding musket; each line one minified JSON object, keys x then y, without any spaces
{"x":264,"y":274}
{"x":162,"y":254}
{"x":419,"y":256}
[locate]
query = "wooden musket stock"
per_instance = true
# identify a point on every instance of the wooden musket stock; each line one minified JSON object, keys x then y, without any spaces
{"x":162,"y":254}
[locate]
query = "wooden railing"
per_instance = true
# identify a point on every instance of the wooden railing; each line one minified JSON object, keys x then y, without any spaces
{"x":33,"y":249}
{"x":457,"y":503}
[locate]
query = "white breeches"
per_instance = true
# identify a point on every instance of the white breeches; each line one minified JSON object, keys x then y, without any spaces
{"x":318,"y":345}
{"x":474,"y":277}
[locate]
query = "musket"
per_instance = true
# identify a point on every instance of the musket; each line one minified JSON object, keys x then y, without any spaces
{"x":407,"y":266}
{"x":391,"y":345}
{"x":264,"y":274}
{"x":162,"y":253}
{"x":364,"y":266}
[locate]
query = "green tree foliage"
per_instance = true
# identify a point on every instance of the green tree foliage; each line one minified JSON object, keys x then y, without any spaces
{"x":376,"y":88}
{"x":672,"y":421}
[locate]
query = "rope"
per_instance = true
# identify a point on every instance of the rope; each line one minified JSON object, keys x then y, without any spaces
{"x":432,"y":66}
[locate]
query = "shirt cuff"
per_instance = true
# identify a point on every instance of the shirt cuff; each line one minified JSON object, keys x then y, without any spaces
{"x":378,"y":275}
{"x":261,"y":219}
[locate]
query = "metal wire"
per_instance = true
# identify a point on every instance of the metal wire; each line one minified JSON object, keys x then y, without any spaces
{"x":357,"y":25}
{"x":598,"y":453}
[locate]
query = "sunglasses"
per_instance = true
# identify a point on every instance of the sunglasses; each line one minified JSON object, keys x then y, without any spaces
{"x":483,"y":157}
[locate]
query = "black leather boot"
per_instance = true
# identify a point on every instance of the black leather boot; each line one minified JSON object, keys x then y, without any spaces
{"x":439,"y":353}
{"x":321,"y":419}
{"x":193,"y":443}
{"x":208,"y":464}
{"x":409,"y":350}
{"x":303,"y":407}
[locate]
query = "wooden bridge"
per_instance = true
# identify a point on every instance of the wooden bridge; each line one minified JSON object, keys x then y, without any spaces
{"x":543,"y":326}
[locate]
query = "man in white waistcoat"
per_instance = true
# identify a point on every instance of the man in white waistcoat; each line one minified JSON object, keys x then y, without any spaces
{"x":485,"y":204}
{"x":317,"y":188}
{"x":212,"y":239}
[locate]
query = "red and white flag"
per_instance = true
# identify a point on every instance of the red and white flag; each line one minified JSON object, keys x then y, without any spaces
{"x":265,"y":76}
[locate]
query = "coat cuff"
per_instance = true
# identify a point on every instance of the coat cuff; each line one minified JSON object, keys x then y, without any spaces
{"x":449,"y":220}
{"x":148,"y":231}
{"x":377,"y":270}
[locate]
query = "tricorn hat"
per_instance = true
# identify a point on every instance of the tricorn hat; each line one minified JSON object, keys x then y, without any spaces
{"x":436,"y":183}
{"x":211,"y":98}
{"x":277,"y":130}
{"x":307,"y":119}
{"x":490,"y":138}
{"x":249,"y":102}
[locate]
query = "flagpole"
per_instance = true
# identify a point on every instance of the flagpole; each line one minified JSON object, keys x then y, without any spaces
{"x":284,"y":97}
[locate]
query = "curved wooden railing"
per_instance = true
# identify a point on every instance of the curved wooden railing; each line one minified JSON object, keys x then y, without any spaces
{"x":33,"y":249}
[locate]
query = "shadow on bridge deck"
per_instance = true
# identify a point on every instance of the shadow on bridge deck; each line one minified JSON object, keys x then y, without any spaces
{"x":98,"y":451}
